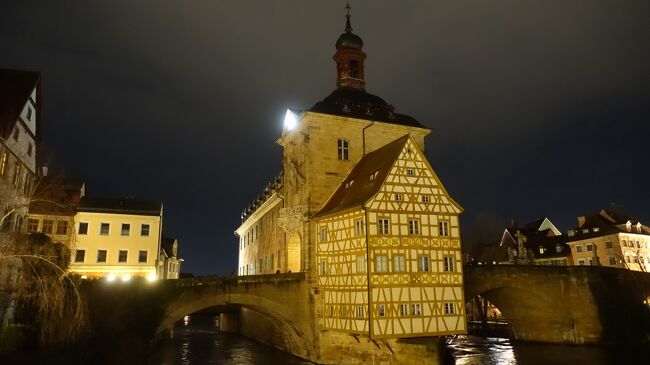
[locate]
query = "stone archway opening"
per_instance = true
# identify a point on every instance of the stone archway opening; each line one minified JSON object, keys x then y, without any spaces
{"x":524,"y":312}
{"x":485,"y":319}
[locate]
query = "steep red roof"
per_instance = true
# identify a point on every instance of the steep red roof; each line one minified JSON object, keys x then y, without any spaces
{"x":357,"y":188}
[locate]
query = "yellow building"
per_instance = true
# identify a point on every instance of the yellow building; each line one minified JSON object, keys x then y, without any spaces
{"x":610,"y":239}
{"x":361,"y":211}
{"x":118,"y":239}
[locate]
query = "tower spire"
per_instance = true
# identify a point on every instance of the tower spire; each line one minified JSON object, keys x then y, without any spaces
{"x":348,"y":26}
{"x":349,"y":57}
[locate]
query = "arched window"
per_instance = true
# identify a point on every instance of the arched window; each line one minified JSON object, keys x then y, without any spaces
{"x":354,"y":69}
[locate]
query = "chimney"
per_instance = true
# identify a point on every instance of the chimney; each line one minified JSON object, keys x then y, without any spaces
{"x":581,"y":220}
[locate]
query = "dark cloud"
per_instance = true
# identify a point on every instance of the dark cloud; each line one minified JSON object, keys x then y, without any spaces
{"x":537,"y":108}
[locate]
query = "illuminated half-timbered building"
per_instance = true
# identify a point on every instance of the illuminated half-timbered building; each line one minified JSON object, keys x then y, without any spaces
{"x":360,"y":210}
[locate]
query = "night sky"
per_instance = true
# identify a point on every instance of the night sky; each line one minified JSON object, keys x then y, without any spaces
{"x":538,"y":108}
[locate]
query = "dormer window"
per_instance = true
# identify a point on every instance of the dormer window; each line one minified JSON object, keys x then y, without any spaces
{"x":558,"y":248}
{"x":372,"y":176}
{"x":541,"y":250}
{"x":349,"y":183}
{"x":596,"y":229}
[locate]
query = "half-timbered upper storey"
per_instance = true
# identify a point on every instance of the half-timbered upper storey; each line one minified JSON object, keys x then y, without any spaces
{"x":389,"y":249}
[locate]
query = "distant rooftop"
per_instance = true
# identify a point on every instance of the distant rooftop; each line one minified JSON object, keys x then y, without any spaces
{"x":120,"y":206}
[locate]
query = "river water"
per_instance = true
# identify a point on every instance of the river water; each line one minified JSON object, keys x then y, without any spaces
{"x":197,"y":341}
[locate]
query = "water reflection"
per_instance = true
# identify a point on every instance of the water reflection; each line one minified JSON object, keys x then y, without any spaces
{"x":197,"y":341}
{"x":471,"y":350}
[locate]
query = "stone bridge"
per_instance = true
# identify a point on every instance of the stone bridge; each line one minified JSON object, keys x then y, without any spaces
{"x":274,"y":309}
{"x":572,"y":305}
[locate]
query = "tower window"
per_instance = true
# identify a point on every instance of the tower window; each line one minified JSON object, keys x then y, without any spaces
{"x":354,"y":69}
{"x":343,"y":149}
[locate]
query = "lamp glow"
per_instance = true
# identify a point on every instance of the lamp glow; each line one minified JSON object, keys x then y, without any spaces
{"x":110,"y":277}
{"x":151,"y":277}
{"x":290,"y":120}
{"x":126,"y":278}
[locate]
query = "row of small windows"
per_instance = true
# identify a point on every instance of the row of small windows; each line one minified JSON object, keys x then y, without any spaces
{"x":383,"y":228}
{"x":122,"y":256}
{"x":21,"y":179}
{"x":400,"y":197}
{"x":403,"y":310}
{"x":399,"y":264}
{"x":47,"y":226}
{"x":104,"y":229}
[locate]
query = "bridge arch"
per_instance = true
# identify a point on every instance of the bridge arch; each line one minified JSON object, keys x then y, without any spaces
{"x":274,"y":305}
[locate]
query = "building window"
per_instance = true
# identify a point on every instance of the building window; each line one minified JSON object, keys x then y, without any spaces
{"x":323,"y":267}
{"x":541,"y":250}
{"x":358,"y":227}
{"x":32,"y":225}
{"x":83,"y":228}
{"x":423,"y":263}
{"x":3,"y":163}
{"x":398,"y":197}
{"x":103,"y":229}
{"x":323,"y":234}
{"x":30,"y":147}
{"x":361,"y":263}
{"x":612,"y":260}
{"x":360,"y":311}
{"x":624,"y":243}
{"x":48,"y":226}
{"x":144,"y":230}
{"x":415,"y":309}
{"x":79,"y":255}
{"x":343,"y":149}
{"x":384,"y":226}
{"x":450,"y":263}
{"x":126,"y":229}
{"x":382,"y":310}
{"x":414,"y":227}
{"x":62,"y":227}
{"x":410,"y":172}
{"x":590,"y":248}
{"x":425,"y":198}
{"x":608,"y":244}
{"x":123,"y":254}
{"x":581,"y":262}
{"x":381,"y":263}
{"x":142,"y":257}
{"x":578,"y":248}
{"x":403,"y":310}
{"x":399,"y":263}
{"x":443,"y":228}
{"x":449,"y":308}
{"x":101,"y":255}
{"x":558,"y":248}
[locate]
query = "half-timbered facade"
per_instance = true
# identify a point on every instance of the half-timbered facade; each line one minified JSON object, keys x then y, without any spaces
{"x":389,"y":249}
